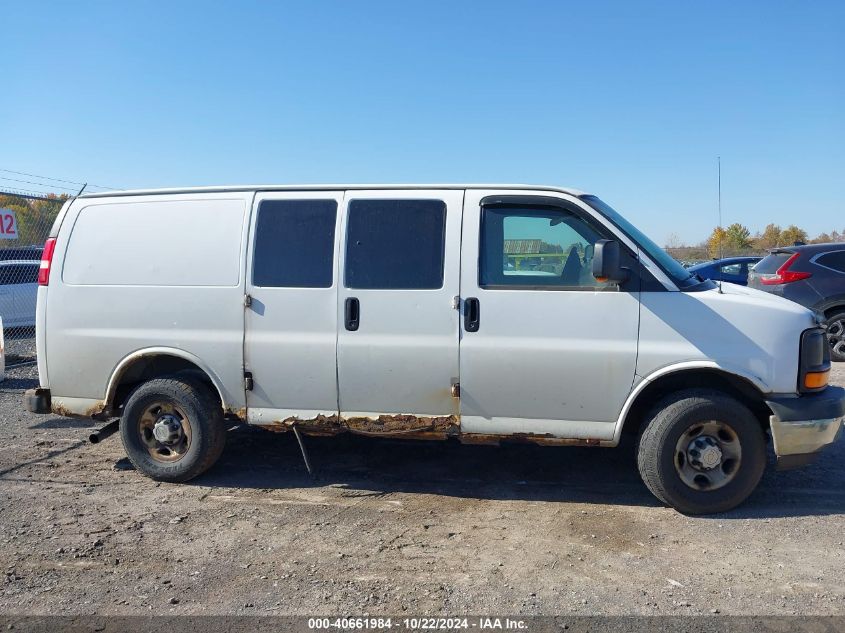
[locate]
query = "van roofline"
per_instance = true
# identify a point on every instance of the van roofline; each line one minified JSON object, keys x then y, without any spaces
{"x":326,"y":187}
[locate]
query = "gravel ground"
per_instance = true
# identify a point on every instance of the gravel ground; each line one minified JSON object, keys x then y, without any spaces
{"x":19,"y":345}
{"x":390,"y":527}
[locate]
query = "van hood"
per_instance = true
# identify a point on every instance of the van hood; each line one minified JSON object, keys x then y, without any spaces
{"x":733,"y":294}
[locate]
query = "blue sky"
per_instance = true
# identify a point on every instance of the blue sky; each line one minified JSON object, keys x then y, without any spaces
{"x":631,"y":101}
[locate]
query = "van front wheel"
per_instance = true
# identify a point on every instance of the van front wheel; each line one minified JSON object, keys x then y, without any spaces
{"x":701,"y":452}
{"x":172,"y":429}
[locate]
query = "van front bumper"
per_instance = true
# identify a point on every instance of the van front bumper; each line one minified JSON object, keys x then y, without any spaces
{"x":37,"y":400}
{"x":803,"y":425}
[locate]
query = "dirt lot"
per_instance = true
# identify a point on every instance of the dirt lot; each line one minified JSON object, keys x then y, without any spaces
{"x":391,"y":528}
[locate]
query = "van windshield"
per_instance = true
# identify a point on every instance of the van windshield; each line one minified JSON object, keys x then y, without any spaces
{"x":680,"y":275}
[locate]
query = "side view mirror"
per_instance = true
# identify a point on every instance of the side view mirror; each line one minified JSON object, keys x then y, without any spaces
{"x":606,"y":265}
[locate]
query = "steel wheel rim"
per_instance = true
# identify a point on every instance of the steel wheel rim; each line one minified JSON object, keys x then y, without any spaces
{"x":836,"y":336}
{"x":160,"y":418}
{"x":708,"y":455}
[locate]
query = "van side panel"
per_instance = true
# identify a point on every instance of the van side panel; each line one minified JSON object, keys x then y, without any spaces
{"x":155,"y":244}
{"x":152,"y":271}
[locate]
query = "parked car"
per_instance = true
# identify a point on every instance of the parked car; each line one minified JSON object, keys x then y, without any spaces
{"x":731,"y":269}
{"x":395,"y":312}
{"x":18,"y":292}
{"x":812,"y":275}
{"x":21,"y":252}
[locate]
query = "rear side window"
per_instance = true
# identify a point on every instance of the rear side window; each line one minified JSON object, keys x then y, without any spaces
{"x":395,"y":244}
{"x":834,"y":260}
{"x":294,"y":244}
{"x":18,"y":274}
{"x":770,"y":264}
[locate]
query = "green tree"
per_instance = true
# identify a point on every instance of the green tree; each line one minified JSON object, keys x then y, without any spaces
{"x":738,"y":237}
{"x":792,"y":234}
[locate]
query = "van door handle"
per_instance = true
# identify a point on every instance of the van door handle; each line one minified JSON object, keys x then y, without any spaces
{"x":472,"y":314}
{"x":352,"y":313}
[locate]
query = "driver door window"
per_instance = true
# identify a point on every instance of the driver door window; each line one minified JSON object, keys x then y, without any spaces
{"x":536,"y":248}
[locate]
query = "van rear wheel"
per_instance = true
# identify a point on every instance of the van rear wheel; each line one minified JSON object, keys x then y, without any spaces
{"x":701,"y":452}
{"x":172,"y":429}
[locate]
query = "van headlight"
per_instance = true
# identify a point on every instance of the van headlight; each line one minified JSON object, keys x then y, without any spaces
{"x":814,"y":361}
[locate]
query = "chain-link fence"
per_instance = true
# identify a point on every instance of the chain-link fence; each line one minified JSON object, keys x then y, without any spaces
{"x":25,"y":223}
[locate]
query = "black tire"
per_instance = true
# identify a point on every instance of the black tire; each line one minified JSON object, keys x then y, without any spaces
{"x":659,"y":461}
{"x":195,"y":403}
{"x":836,"y":335}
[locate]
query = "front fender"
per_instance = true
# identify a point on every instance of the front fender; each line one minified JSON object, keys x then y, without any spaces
{"x":733,"y":371}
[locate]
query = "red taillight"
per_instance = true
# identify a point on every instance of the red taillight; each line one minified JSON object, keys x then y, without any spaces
{"x":46,"y":261}
{"x":783,"y":275}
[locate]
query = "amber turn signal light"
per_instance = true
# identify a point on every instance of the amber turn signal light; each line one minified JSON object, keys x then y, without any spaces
{"x":816,"y":379}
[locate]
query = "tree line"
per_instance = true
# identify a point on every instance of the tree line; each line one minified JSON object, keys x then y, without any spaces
{"x":737,"y":239}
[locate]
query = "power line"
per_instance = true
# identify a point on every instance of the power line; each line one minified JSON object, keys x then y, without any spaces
{"x":70,"y":182}
{"x":40,"y":184}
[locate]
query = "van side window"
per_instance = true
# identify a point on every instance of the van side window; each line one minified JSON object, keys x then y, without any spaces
{"x":536,"y":247}
{"x":395,"y":244}
{"x":294,"y":244}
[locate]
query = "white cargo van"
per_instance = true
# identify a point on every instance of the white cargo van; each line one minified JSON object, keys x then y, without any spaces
{"x":483,"y":313}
